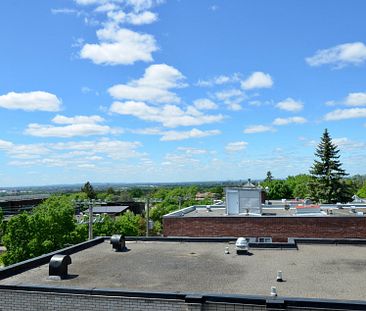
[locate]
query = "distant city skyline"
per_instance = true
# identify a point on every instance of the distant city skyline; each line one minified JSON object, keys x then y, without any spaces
{"x":141,"y":91}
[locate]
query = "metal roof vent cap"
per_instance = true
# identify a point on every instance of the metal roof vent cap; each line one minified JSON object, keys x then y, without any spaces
{"x":273,"y":291}
{"x":58,"y":266}
{"x":118,"y":242}
{"x":279,"y":276}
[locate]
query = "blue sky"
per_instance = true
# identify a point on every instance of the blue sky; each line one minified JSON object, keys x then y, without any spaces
{"x":169,"y":91}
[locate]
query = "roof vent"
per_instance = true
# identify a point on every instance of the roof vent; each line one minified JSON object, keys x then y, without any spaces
{"x":242,"y":246}
{"x":279,"y":276}
{"x":118,"y":242}
{"x":273,"y":291}
{"x":58,"y":266}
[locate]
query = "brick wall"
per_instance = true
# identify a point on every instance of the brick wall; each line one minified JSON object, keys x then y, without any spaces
{"x":279,"y":228}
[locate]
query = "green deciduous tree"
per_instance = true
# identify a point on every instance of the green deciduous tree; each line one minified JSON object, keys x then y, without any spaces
{"x":49,"y":227}
{"x":129,"y":224}
{"x":327,"y":184}
{"x":278,"y":189}
{"x":362,"y":192}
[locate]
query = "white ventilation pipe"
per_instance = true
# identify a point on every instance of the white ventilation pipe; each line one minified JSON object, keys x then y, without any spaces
{"x":279,"y":276}
{"x":273,"y":291}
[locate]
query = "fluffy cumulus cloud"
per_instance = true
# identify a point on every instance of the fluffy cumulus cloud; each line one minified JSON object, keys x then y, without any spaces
{"x":339,"y":55}
{"x":356,"y":99}
{"x":154,"y":86}
{"x":71,"y":126}
{"x":343,"y":114}
{"x":119,"y":46}
{"x":236,"y":146}
{"x":193,"y":133}
{"x":31,"y":101}
{"x":168,"y":115}
{"x":290,"y":104}
{"x":257,"y":80}
{"x":285,"y":121}
{"x":253,"y":129}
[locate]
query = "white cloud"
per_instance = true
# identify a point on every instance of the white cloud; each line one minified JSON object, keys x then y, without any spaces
{"x":120,"y":17}
{"x":119,"y":46}
{"x":346,"y":144}
{"x":59,"y":119}
{"x":236,"y":146}
{"x":356,"y":99}
{"x":31,"y":101}
{"x":192,"y":151}
{"x":193,"y":133}
{"x":290,"y":104}
{"x":107,"y":7}
{"x":64,"y":11}
{"x":204,"y":104}
{"x":168,"y":115}
{"x":219,"y":80}
{"x":44,"y":130}
{"x":343,"y":114}
{"x":232,"y":98}
{"x":115,"y":149}
{"x":340,"y":55}
{"x":153,"y":86}
{"x":75,"y":126}
{"x":285,"y":121}
{"x":257,"y":80}
{"x":258,"y":129}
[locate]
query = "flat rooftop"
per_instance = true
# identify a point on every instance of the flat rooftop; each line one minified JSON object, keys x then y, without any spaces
{"x":313,"y":271}
{"x":202,"y":211}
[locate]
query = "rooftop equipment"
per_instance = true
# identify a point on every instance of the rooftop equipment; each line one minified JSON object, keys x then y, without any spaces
{"x":279,"y":276}
{"x":242,"y":246}
{"x":58,"y":266}
{"x":273,"y":291}
{"x":118,"y":242}
{"x":242,"y":200}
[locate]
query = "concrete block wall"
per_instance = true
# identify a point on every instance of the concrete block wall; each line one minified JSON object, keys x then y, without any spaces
{"x":279,"y":228}
{"x":36,"y":301}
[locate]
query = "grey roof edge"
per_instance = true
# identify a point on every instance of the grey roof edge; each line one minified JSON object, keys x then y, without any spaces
{"x":200,"y":297}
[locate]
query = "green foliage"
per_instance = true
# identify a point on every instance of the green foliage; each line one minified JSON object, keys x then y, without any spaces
{"x":49,"y":227}
{"x":89,"y":190}
{"x":269,"y":177}
{"x":327,"y":184}
{"x":106,"y":227}
{"x":362,"y":192}
{"x":129,"y":224}
{"x":1,"y":224}
{"x":278,"y":189}
{"x":218,"y":191}
{"x":299,"y":185}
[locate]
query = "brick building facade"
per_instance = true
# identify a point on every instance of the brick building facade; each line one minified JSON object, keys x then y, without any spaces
{"x":277,"y":227}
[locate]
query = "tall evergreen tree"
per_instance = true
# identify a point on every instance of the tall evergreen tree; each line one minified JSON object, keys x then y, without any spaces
{"x":269,"y":177}
{"x":89,"y":190}
{"x":327,"y":184}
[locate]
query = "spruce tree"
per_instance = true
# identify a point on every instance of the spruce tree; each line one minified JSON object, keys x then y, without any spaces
{"x":89,"y":190}
{"x":327,"y":184}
